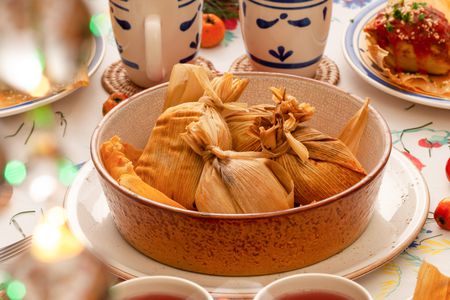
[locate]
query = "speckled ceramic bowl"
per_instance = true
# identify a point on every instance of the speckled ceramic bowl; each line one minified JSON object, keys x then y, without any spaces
{"x":250,"y":244}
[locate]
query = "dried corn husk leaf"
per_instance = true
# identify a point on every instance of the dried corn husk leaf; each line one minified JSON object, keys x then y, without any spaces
{"x":188,"y":83}
{"x":120,"y":167}
{"x":138,"y":186}
{"x":114,"y":158}
{"x":167,"y":162}
{"x":320,"y":166}
{"x":431,"y":284}
{"x":170,"y":165}
{"x":352,"y":132}
{"x":237,"y":182}
{"x":184,"y":85}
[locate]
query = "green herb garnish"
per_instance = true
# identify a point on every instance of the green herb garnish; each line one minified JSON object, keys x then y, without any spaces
{"x":389,"y":27}
{"x":421,"y":17}
{"x":397,"y":14}
{"x":406,"y":17}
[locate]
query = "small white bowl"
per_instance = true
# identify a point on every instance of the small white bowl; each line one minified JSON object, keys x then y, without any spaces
{"x":313,"y":282}
{"x":162,"y":285}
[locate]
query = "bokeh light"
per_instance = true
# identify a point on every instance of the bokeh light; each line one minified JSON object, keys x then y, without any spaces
{"x":56,"y":216}
{"x":67,"y":172}
{"x":16,"y":290}
{"x":99,"y":24}
{"x":15,"y":172}
{"x":42,"y":188}
{"x":42,"y":116}
{"x":46,"y":237}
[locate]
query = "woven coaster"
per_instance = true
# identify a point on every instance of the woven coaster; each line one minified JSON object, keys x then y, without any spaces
{"x":115,"y":78}
{"x":327,"y":71}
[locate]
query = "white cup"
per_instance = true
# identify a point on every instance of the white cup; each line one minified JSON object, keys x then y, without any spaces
{"x":313,"y":282}
{"x":152,"y":36}
{"x":285,"y":36}
{"x":161,"y":285}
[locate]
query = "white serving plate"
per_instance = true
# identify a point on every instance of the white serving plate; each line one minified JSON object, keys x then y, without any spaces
{"x":355,"y":49}
{"x":96,"y":57}
{"x":401,"y":211}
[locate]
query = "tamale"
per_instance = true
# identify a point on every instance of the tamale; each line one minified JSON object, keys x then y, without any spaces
{"x":168,"y":163}
{"x":431,"y":284}
{"x":320,"y":166}
{"x":120,"y":167}
{"x":236,"y":182}
{"x":188,"y":83}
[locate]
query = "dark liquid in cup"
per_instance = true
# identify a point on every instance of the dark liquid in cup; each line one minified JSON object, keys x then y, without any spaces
{"x":314,"y":295}
{"x":155,"y":297}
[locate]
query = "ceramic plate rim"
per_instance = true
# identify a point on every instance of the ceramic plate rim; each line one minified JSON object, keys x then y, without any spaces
{"x":353,"y":58}
{"x":417,"y":221}
{"x":99,"y":49}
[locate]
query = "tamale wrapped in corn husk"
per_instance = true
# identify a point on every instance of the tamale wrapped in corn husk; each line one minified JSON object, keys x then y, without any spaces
{"x":168,"y":163}
{"x":184,"y":84}
{"x":236,"y":182}
{"x":118,"y":160}
{"x":431,"y":284}
{"x":320,"y":166}
{"x":188,"y":83}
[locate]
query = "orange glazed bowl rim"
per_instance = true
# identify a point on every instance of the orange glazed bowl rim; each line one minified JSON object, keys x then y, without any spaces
{"x":95,"y":154}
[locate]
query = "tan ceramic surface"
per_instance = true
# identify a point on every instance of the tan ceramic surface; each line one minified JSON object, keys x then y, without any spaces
{"x":246,"y":244}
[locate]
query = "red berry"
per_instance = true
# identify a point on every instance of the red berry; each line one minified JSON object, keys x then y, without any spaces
{"x":447,"y":169}
{"x":442,"y":214}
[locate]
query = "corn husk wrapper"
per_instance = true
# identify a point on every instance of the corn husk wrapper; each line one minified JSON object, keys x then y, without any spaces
{"x":431,"y":284}
{"x":237,"y":182}
{"x":167,"y":162}
{"x":184,"y":85}
{"x":432,"y":85}
{"x":119,"y":165}
{"x":320,"y":166}
{"x":188,"y":83}
{"x":353,"y":131}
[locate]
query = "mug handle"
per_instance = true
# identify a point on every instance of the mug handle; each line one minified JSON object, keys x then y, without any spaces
{"x":153,"y":48}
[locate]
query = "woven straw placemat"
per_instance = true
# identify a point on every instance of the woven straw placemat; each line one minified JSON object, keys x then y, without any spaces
{"x":327,"y":71}
{"x":115,"y":78}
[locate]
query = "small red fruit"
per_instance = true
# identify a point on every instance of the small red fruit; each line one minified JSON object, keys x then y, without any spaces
{"x":213,"y":31}
{"x":442,"y":214}
{"x":112,"y":101}
{"x":447,"y":169}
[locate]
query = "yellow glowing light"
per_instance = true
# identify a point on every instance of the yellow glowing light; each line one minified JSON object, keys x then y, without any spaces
{"x":47,"y":237}
{"x":56,"y":216}
{"x":42,"y":89}
{"x":52,"y":239}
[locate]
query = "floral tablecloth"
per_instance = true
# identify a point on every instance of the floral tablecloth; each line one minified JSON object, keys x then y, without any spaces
{"x":421,"y":133}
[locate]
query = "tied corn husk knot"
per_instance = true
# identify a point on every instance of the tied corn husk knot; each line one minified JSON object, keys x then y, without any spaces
{"x":236,"y":182}
{"x":167,"y":162}
{"x":320,"y":166}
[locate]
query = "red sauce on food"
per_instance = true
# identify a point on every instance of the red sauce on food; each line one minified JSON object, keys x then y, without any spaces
{"x":420,"y":25}
{"x":314,"y":295}
{"x":155,"y":297}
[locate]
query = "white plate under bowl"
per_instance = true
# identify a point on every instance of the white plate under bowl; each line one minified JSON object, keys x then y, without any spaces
{"x":96,"y":56}
{"x":356,"y":53}
{"x":400,"y":213}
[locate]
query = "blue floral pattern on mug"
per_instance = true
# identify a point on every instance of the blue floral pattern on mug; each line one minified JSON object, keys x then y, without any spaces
{"x":285,"y":22}
{"x":187,"y":25}
{"x":125,"y":25}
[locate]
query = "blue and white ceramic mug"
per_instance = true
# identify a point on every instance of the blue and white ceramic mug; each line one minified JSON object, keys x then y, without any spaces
{"x":286,"y":36}
{"x":152,"y":36}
